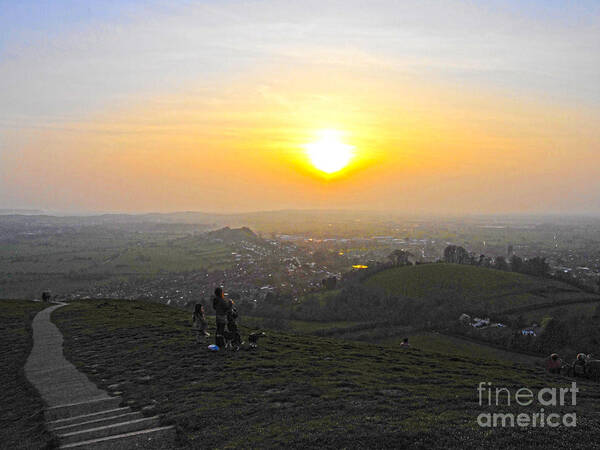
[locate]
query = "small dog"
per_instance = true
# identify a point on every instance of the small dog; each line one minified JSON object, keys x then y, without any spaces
{"x":254,"y":337}
{"x":233,"y":340}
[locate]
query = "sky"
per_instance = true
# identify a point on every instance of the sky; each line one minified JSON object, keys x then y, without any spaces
{"x":450,"y":107}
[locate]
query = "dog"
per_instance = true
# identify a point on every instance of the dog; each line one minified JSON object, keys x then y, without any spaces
{"x":254,"y":337}
{"x":233,"y":340}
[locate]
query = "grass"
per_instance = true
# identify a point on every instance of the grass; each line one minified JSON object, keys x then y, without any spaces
{"x":298,"y":391}
{"x":146,"y":254}
{"x":450,"y":345}
{"x":499,"y":290}
{"x":297,"y":326}
{"x":21,"y":418}
{"x":96,"y":258}
{"x":322,"y":296}
{"x":563,"y":311}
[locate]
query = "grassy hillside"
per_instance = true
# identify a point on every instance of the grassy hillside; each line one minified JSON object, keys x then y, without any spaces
{"x":299,"y":391}
{"x":472,"y":285}
{"x":450,"y":345}
{"x":113,"y":254}
{"x":295,"y":326}
{"x":562,"y":312}
{"x":21,"y":420}
{"x":95,"y":257}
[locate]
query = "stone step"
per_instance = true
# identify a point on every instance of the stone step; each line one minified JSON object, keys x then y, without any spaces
{"x":87,"y":417}
{"x":149,"y":439}
{"x":98,"y":423}
{"x":108,"y":430}
{"x":78,"y":409}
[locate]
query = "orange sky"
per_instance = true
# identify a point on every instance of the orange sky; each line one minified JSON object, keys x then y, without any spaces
{"x":424,"y":143}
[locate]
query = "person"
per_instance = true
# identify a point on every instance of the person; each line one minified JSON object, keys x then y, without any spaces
{"x":221,"y":307}
{"x":553,"y":363}
{"x":579,"y":365}
{"x":232,"y":328}
{"x":46,"y":296}
{"x":199,"y":323}
{"x":404,"y":343}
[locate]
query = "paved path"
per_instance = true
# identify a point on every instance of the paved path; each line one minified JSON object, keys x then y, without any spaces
{"x":55,"y":378}
{"x":80,"y":415}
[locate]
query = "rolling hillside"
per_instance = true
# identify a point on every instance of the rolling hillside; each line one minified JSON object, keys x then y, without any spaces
{"x":300,"y":391}
{"x":495,"y":290}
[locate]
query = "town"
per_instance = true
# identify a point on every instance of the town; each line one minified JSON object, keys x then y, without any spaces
{"x":177,"y":261}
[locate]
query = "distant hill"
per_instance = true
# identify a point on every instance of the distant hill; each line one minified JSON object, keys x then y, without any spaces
{"x":233,"y":234}
{"x":23,"y":212}
{"x":494,"y":290}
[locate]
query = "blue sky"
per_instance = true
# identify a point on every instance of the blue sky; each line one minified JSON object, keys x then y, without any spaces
{"x":546,"y":48}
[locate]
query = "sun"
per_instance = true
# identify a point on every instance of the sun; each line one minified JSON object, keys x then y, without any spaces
{"x":329,"y":153}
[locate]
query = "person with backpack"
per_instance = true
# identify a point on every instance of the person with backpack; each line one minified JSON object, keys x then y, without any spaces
{"x":199,"y":323}
{"x":553,"y":363}
{"x":579,"y":366}
{"x":222,"y":308}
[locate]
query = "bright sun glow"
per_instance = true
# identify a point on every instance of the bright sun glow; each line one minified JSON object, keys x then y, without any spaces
{"x":329,"y":154}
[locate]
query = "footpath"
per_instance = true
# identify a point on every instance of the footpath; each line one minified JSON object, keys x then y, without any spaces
{"x":78,"y":413}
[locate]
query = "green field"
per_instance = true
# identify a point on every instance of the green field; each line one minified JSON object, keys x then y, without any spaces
{"x":125,"y":253}
{"x":77,"y":260}
{"x":300,"y":391}
{"x":21,"y":418}
{"x":476,"y":286}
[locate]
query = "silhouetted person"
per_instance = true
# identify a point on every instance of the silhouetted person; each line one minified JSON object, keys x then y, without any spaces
{"x":553,"y":364}
{"x":232,"y":315}
{"x":199,"y":324}
{"x":222,"y":307}
{"x":404,"y":343}
{"x":46,"y":296}
{"x":579,"y":365}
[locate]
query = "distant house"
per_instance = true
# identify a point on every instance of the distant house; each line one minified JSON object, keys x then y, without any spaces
{"x":528,"y":332}
{"x":480,"y":323}
{"x":464,"y":318}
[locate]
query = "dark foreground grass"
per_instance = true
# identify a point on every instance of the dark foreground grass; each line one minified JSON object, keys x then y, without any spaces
{"x":301,"y":391}
{"x":21,"y":417}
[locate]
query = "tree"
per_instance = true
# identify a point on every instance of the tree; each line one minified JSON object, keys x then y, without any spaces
{"x":536,"y":266}
{"x":516,"y":263}
{"x":501,"y":263}
{"x":456,"y":255}
{"x":399,"y":257}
